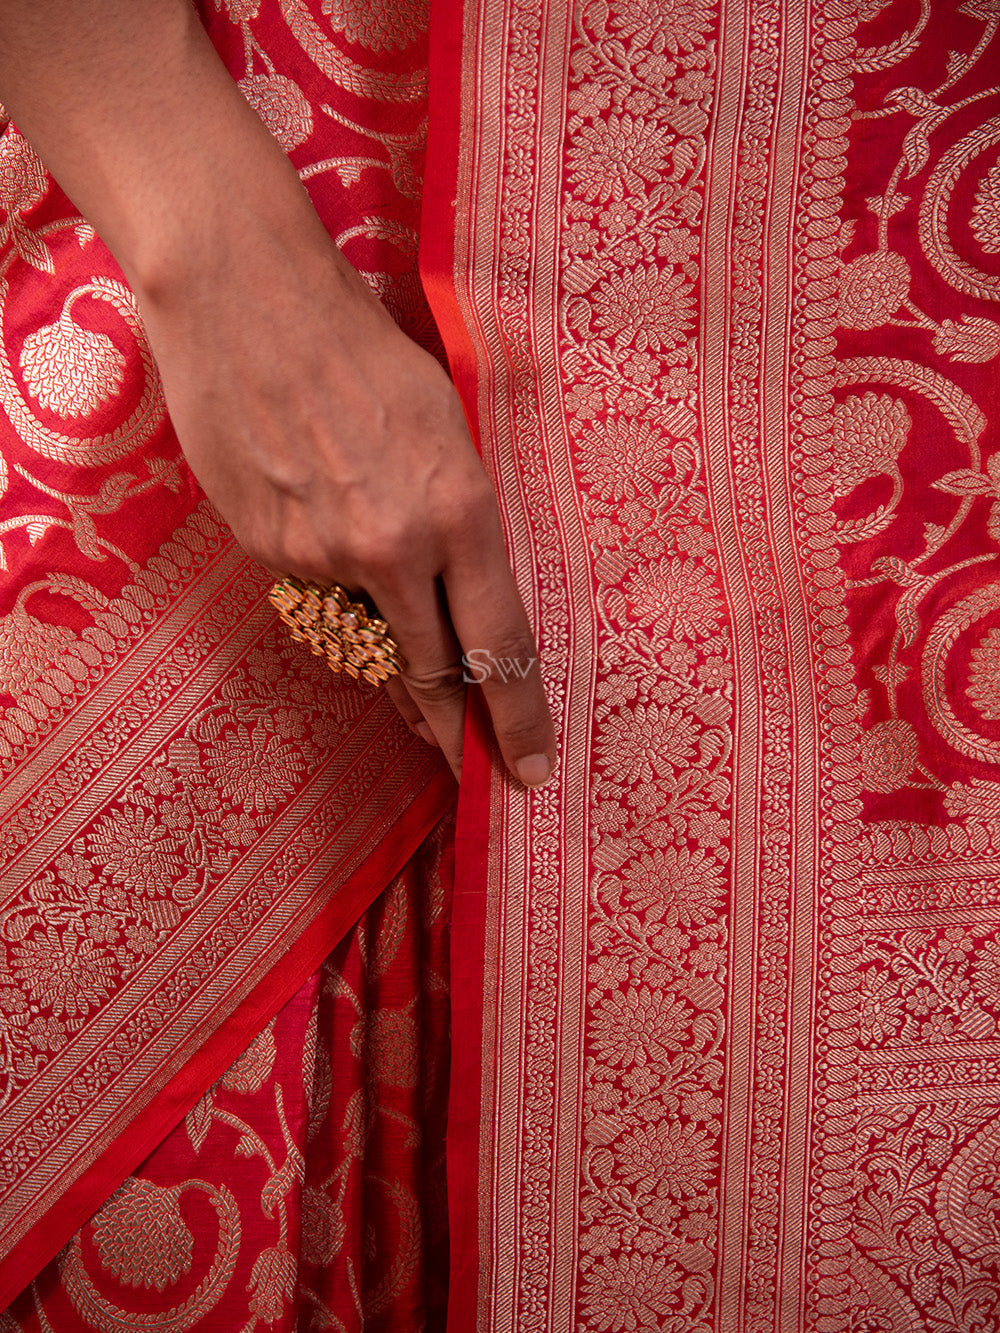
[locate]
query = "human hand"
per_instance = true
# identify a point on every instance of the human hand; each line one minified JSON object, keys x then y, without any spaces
{"x":337,"y":450}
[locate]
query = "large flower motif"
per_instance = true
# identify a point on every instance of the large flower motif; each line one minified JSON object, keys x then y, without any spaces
{"x":644,"y":308}
{"x":868,"y":436}
{"x":281,"y":106}
{"x":638,"y":1024}
{"x":27,"y":647}
{"x":138,"y":851}
{"x":675,"y":596}
{"x":625,"y":459}
{"x":69,"y":975}
{"x":984,"y":676}
{"x":142,"y":1237}
{"x":872,"y":288}
{"x":646,"y":743}
{"x":380,"y":25}
{"x":617,"y":157}
{"x":629,"y":1292}
{"x":70,"y":370}
{"x":675,"y":885}
{"x":671,"y":1155}
{"x":23,"y":182}
{"x":664,"y":25}
{"x":258,"y":769}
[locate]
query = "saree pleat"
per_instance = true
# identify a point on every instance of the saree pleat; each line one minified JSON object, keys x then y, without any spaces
{"x":306,"y":1188}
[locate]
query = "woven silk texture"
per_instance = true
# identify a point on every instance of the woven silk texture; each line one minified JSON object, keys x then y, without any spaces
{"x":719,"y":285}
{"x":723,"y":297}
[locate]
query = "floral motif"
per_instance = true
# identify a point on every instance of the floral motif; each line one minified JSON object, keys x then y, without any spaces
{"x":984,"y":676}
{"x":391,"y":1041}
{"x":986,"y":212}
{"x":23,"y":179}
{"x":617,"y":157}
{"x":137,"y":850}
{"x":272,"y":1283}
{"x":70,"y":370}
{"x":872,"y":288}
{"x":658,"y":25}
{"x":676,"y":885}
{"x":869,"y":433}
{"x":240,"y":11}
{"x":630,"y":1292}
{"x":675,"y":596}
{"x":251,"y":1071}
{"x":638,"y":1024}
{"x":380,"y":25}
{"x":644,"y":307}
{"x":258,"y":769}
{"x":648,"y":742}
{"x":141,"y":1236}
{"x":668,"y":1155}
{"x":969,"y":338}
{"x":69,"y":975}
{"x":281,"y":106}
{"x":623,"y":459}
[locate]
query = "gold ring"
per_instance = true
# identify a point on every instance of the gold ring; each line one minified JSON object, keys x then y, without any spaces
{"x":334,"y":627}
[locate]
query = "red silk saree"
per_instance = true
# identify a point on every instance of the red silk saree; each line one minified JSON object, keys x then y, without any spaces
{"x":719,"y":285}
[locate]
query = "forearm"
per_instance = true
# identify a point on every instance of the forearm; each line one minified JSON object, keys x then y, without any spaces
{"x":131,"y":110}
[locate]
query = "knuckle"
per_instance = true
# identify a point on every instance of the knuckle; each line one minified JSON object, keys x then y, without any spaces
{"x":378,"y":551}
{"x":441,"y":685}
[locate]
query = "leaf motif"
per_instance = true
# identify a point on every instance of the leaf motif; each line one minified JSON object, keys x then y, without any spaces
{"x":933,"y":532}
{"x":403,"y":174}
{"x":349,"y":170}
{"x":578,"y":314}
{"x":595,"y":15}
{"x":198,"y":1121}
{"x":993,"y":522}
{"x":916,"y":149}
{"x":579,"y":276}
{"x":280,"y":1183}
{"x":36,"y":529}
{"x":112,"y":493}
{"x":85,"y":533}
{"x":914,"y":100}
{"x":685,"y":156}
{"x":32,"y":250}
{"x":965,"y":482}
{"x":907,"y":618}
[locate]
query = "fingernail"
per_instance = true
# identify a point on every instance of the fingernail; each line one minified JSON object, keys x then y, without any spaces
{"x":534,"y":770}
{"x":425,"y":734}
